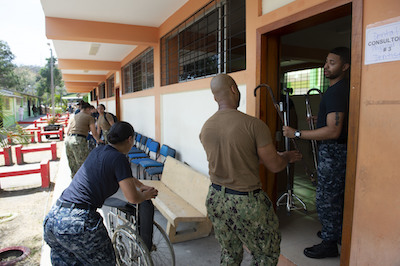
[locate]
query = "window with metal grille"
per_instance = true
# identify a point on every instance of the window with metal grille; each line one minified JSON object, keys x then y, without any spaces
{"x":110,"y":86}
{"x":93,"y":95}
{"x":303,"y":80}
{"x":139,"y":73}
{"x":211,"y":41}
{"x":102,"y":90}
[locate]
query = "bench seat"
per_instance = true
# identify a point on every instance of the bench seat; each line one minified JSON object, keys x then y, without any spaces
{"x":181,"y":199}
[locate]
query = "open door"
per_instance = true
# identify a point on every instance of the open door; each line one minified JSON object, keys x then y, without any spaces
{"x":117,"y":103}
{"x":302,"y":43}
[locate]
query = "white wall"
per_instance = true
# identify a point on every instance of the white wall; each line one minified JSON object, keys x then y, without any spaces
{"x":110,"y":106}
{"x":140,"y":112}
{"x":182,"y":117}
{"x":270,"y":5}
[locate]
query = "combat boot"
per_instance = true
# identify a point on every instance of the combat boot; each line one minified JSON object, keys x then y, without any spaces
{"x":323,"y":250}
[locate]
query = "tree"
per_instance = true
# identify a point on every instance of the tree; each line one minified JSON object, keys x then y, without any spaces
{"x":8,"y":79}
{"x":44,"y":83}
{"x":28,"y":76}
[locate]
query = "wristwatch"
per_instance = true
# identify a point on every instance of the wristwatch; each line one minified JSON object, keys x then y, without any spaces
{"x":297,"y":134}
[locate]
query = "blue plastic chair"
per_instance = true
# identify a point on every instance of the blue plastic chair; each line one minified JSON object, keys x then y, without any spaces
{"x":140,"y":146}
{"x":152,"y":151}
{"x":143,"y":153}
{"x":148,"y":164}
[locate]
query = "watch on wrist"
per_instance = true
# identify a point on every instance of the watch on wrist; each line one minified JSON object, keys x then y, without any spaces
{"x":297,"y":134}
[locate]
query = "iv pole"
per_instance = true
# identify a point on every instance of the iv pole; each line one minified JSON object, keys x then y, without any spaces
{"x":284,"y":116}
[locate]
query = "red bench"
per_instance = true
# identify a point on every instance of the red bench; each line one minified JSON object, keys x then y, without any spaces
{"x":20,"y":151}
{"x":59,"y":132}
{"x":31,"y":134}
{"x":6,"y":152}
{"x":43,"y":170}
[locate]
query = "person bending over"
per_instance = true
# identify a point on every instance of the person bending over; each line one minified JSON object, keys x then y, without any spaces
{"x":73,"y":228}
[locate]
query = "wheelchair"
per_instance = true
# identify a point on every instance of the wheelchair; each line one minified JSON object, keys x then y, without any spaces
{"x":136,"y":237}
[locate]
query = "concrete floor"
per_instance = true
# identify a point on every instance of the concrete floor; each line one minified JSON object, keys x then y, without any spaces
{"x":298,"y":230}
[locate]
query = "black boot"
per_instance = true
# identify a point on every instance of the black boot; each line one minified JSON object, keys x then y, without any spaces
{"x":324,"y":250}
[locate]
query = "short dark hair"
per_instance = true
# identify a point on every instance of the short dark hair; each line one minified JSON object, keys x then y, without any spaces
{"x":119,"y":132}
{"x":85,"y":105}
{"x":102,"y":105}
{"x":344,"y":54}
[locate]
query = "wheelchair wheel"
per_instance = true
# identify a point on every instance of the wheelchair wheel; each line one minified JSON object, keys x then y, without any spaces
{"x":130,"y":248}
{"x":162,"y":252}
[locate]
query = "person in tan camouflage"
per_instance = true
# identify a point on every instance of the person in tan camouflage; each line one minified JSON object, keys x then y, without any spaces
{"x":104,"y":121}
{"x":241,"y":212}
{"x":75,"y":144}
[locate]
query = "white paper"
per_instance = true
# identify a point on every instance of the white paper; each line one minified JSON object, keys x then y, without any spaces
{"x":382,"y":43}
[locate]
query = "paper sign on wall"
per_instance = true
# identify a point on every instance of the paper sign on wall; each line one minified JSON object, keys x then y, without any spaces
{"x":382,"y":43}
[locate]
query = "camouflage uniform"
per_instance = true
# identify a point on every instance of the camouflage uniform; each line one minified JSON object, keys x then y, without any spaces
{"x":105,"y":133}
{"x":77,"y":151}
{"x":77,"y":237}
{"x":241,"y":219}
{"x":330,"y":189}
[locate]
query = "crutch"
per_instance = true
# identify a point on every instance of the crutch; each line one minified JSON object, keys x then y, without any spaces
{"x":311,"y":125}
{"x":284,"y":117}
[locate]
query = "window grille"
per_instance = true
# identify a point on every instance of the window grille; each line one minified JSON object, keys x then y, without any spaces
{"x":93,"y":95}
{"x":303,"y":80}
{"x":102,"y":90}
{"x":110,"y":86}
{"x":211,"y":41}
{"x":139,"y":73}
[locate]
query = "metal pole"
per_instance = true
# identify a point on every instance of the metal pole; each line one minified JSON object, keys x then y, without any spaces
{"x":52,"y":82}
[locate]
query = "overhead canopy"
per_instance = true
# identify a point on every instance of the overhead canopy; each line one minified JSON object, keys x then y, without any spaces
{"x":92,"y":37}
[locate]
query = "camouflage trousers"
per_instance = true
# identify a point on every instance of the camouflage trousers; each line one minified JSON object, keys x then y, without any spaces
{"x":77,"y":237}
{"x":248,"y":220}
{"x":330,"y":189}
{"x":105,"y":133}
{"x":77,"y":151}
{"x":91,"y":142}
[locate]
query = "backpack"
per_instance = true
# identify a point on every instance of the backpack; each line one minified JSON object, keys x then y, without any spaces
{"x":113,"y":116}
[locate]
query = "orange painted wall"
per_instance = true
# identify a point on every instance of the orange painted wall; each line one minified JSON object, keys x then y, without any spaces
{"x":376,"y":230}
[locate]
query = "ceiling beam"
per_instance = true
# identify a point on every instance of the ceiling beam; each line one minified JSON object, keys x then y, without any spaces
{"x":81,"y":77}
{"x":81,"y":84}
{"x":103,"y":32}
{"x":79,"y":89}
{"x":88,"y":65}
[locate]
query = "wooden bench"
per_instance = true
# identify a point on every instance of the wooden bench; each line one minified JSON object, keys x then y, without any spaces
{"x":43,"y":170}
{"x":181,"y":198}
{"x":20,"y":151}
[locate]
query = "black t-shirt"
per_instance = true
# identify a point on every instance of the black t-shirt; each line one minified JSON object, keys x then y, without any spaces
{"x":335,"y":99}
{"x":98,"y":177}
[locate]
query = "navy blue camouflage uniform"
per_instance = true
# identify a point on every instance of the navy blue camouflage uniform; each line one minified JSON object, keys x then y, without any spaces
{"x":73,"y":228}
{"x":332,"y":158}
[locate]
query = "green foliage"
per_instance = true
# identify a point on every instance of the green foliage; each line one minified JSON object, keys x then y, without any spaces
{"x":8,"y":79}
{"x":17,"y":133}
{"x":28,"y":76}
{"x":44,"y":82}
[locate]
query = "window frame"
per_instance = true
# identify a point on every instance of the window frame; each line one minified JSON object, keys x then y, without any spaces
{"x":175,"y":68}
{"x":138,"y":74}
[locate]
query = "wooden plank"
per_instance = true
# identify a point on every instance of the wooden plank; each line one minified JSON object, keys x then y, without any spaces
{"x":173,"y":207}
{"x":353,"y":131}
{"x":189,"y":184}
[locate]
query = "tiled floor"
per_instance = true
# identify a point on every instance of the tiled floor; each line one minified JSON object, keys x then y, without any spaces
{"x":299,"y":228}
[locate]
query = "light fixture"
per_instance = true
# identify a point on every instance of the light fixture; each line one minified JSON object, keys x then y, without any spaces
{"x":94,"y":48}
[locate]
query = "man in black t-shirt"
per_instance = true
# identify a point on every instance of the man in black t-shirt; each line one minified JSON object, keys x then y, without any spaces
{"x":331,"y":133}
